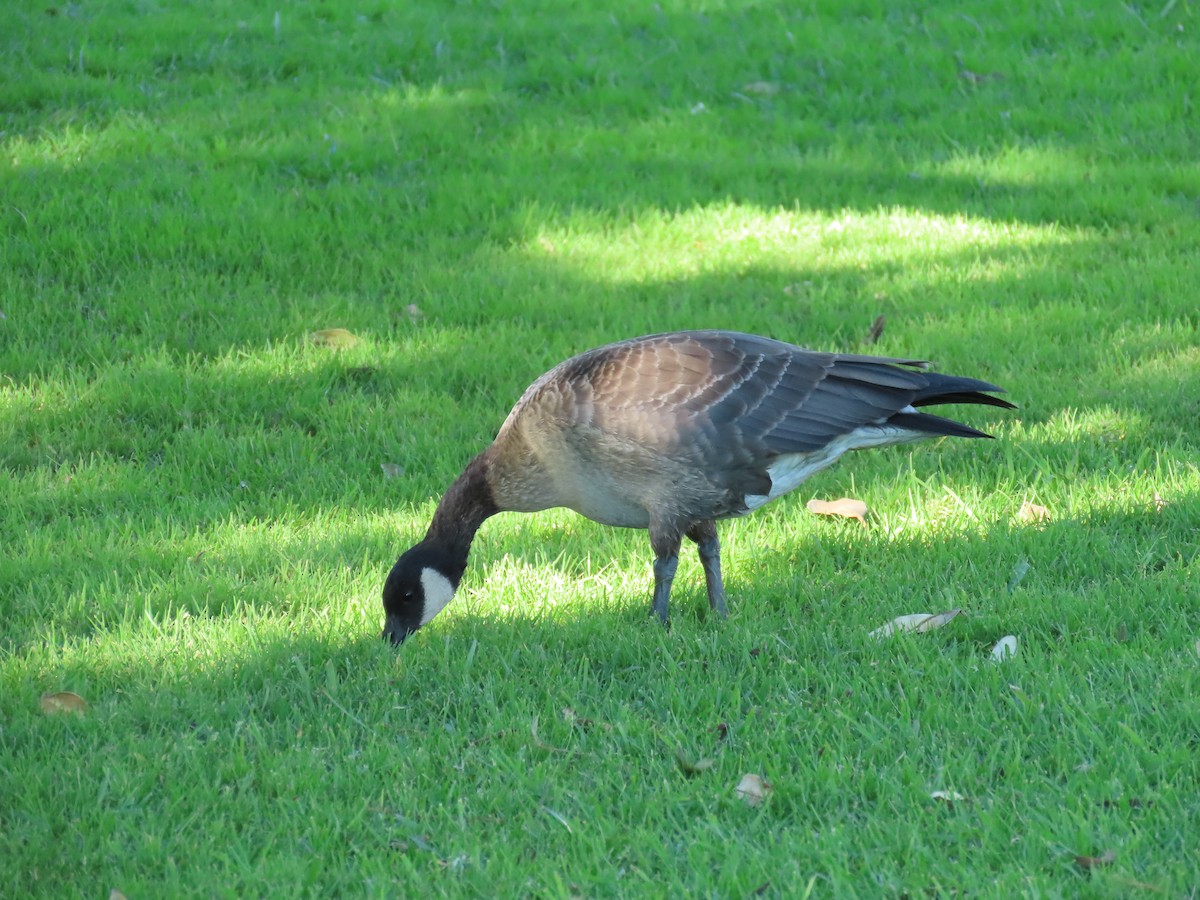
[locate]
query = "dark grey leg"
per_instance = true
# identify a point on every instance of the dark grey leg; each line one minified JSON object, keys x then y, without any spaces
{"x":665,"y":544}
{"x":709,"y":546}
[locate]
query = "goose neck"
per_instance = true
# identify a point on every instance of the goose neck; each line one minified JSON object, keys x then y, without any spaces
{"x":465,"y":506}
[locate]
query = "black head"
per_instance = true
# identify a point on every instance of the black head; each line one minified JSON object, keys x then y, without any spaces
{"x":421,"y":583}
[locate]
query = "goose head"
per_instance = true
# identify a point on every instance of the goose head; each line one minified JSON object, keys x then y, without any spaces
{"x":420,"y":585}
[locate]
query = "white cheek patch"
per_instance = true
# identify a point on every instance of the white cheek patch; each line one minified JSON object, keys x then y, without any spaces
{"x":438,"y":592}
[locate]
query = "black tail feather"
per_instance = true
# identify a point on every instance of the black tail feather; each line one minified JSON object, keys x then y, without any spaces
{"x":964,"y":397}
{"x":958,"y":389}
{"x":949,"y":389}
{"x":929,"y":424}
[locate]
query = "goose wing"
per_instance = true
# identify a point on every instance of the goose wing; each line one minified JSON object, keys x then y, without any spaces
{"x":724,"y":406}
{"x":735,"y":397}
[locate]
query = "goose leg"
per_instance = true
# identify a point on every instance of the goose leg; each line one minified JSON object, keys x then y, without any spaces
{"x":709,"y":547}
{"x":665,"y":544}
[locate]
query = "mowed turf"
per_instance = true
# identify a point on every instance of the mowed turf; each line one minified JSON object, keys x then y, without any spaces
{"x":198,"y":503}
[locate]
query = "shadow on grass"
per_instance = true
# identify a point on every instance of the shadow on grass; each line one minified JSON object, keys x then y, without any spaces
{"x":419,"y":389}
{"x":996,"y":570}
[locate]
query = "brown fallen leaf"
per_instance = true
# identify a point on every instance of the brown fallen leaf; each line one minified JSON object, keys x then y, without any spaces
{"x":947,"y":797}
{"x":689,"y":767}
{"x":494,"y":736}
{"x":875,"y":332}
{"x":1132,"y":803}
{"x":1005,"y":648}
{"x":539,"y":743}
{"x":918,"y":622}
{"x":1032,"y":513}
{"x":1140,"y":885}
{"x":753,"y":789}
{"x":846,"y":506}
{"x":572,"y":718}
{"x":979,"y":77}
{"x":761,"y":88}
{"x":1020,"y":570}
{"x":557,"y":817}
{"x":61,"y":702}
{"x":336,"y":338}
{"x":1095,"y":862}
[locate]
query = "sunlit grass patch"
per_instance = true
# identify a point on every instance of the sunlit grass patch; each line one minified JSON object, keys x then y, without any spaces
{"x":724,"y":238}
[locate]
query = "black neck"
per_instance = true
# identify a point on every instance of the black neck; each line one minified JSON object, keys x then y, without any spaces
{"x":464,"y":507}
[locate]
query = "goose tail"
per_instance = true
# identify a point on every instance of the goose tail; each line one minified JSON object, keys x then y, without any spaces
{"x":945,"y":389}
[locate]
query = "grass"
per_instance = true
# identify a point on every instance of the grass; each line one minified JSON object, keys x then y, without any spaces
{"x":196,"y":523}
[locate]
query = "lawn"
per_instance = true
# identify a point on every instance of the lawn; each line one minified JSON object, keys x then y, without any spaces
{"x":199,"y":502}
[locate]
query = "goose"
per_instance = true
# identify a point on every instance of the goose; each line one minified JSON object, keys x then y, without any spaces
{"x":672,"y":432}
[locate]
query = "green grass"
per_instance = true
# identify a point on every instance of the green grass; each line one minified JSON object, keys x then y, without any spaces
{"x":195,"y":525}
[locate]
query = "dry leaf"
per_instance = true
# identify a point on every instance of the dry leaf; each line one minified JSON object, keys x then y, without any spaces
{"x":538,"y":742}
{"x":753,"y":789}
{"x":761,"y":88}
{"x":948,"y":796}
{"x":690,"y":768}
{"x":1095,"y":862}
{"x":391,"y":470}
{"x":573,"y":718}
{"x":63,"y":702}
{"x":114,"y":894}
{"x":1031,"y":513}
{"x":1005,"y":648}
{"x":918,"y":622}
{"x":558,"y":817}
{"x":846,"y":506}
{"x":1132,"y":803}
{"x":336,"y":338}
{"x":1159,"y":502}
{"x":1020,"y":570}
{"x":876,"y":330}
{"x":979,"y":77}
{"x":1140,"y":885}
